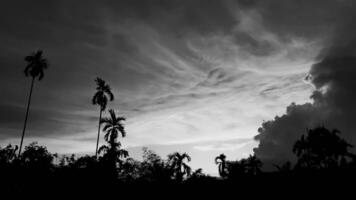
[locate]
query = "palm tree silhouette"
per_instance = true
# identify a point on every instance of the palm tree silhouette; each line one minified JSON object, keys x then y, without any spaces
{"x":36,"y":65}
{"x":113,"y":126}
{"x":179,"y":167}
{"x":221,"y":162}
{"x":101,"y":97}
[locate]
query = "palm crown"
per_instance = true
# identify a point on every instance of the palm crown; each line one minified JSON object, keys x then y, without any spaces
{"x":113,"y":126}
{"x":36,"y":65}
{"x":103,"y":93}
{"x":179,"y":167}
{"x":221,"y":161}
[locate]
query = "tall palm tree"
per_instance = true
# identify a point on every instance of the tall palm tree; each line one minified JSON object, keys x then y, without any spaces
{"x":113,"y":126}
{"x":101,"y":97}
{"x":35,"y":67}
{"x":180,"y":168}
{"x":221,"y":162}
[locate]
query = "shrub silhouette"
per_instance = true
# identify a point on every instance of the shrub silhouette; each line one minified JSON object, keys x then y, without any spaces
{"x":153,"y":168}
{"x":250,"y":166}
{"x":36,"y":157}
{"x":7,"y":155}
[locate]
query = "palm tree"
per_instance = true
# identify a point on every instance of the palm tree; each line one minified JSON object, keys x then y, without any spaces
{"x":113,"y":126}
{"x":36,"y":65}
{"x":221,"y":161}
{"x":101,"y":97}
{"x":179,"y":167}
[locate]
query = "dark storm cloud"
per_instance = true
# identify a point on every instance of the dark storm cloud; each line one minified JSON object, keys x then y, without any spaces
{"x":304,"y":18}
{"x":333,"y":74}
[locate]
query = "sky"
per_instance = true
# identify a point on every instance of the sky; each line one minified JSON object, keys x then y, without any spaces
{"x":200,"y":76}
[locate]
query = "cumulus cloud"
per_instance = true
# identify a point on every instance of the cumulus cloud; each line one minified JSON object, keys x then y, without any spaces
{"x":332,"y":76}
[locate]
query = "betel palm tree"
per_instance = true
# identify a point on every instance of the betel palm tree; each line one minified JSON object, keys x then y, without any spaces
{"x":35,"y":67}
{"x":179,"y":167}
{"x":221,"y":162}
{"x":101,"y":97}
{"x":113,"y":126}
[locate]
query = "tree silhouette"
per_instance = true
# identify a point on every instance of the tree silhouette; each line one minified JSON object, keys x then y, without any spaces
{"x":101,"y":97}
{"x":7,"y":155}
{"x":250,"y":166}
{"x":321,"y":149}
{"x":221,"y":162}
{"x":37,"y":157}
{"x":154,"y":168}
{"x":113,"y":126}
{"x":236,"y":169}
{"x":284,"y":168}
{"x":35,"y":67}
{"x":179,"y":167}
{"x":253,"y":165}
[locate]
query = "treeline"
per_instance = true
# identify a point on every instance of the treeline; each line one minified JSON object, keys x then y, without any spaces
{"x":320,"y":153}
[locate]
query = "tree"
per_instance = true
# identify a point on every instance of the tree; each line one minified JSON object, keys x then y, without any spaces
{"x":179,"y":167}
{"x":321,"y":149}
{"x":7,"y":155}
{"x":101,"y":97}
{"x":113,"y":126}
{"x":284,"y":168}
{"x":154,"y":168}
{"x":36,"y":65}
{"x":221,"y":162}
{"x":37,"y":157}
{"x":236,"y":169}
{"x":250,"y":166}
{"x":253,"y":165}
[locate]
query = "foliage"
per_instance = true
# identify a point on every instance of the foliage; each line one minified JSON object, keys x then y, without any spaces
{"x":36,"y":65}
{"x":321,"y":149}
{"x":178,"y":165}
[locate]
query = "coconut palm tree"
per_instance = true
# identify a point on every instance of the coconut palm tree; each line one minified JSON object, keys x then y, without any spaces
{"x":179,"y":167}
{"x":35,"y":67}
{"x":113,"y":126}
{"x":221,"y":162}
{"x":101,"y":97}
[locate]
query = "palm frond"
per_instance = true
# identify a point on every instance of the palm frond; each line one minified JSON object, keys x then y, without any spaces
{"x":41,"y":75}
{"x":103,"y":148}
{"x":111,"y":95}
{"x":112,"y":114}
{"x":106,"y":127}
{"x":185,"y":155}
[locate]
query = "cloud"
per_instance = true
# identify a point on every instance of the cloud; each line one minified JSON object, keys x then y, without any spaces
{"x":332,"y":76}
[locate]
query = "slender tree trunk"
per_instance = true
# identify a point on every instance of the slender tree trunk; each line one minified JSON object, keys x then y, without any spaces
{"x":97,"y":140}
{"x":27,"y":111}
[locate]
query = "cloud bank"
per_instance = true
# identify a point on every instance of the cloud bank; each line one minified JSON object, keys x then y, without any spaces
{"x":332,"y":75}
